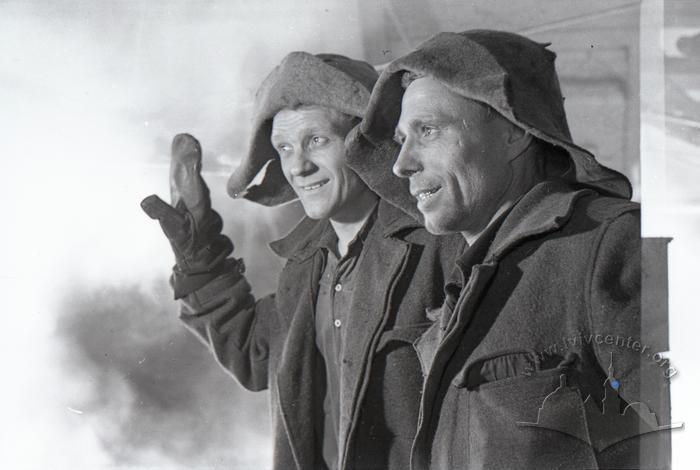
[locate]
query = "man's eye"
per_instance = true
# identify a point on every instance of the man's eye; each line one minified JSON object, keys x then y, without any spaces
{"x":427,"y":131}
{"x":283,"y":148}
{"x":319,"y":140}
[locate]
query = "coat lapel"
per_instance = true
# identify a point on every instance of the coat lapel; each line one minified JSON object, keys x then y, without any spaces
{"x":544,"y":209}
{"x":297,"y":370}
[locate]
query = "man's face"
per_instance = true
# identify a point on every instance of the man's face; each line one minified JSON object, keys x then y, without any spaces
{"x":455,"y":154}
{"x":311,"y":144}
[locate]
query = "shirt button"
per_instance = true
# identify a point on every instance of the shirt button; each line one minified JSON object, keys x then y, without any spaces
{"x":338,"y":287}
{"x":337,"y":323}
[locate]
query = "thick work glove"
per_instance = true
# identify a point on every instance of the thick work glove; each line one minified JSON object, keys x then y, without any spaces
{"x":192,"y":227}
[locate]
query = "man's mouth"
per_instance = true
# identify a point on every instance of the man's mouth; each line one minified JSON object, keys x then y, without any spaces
{"x":314,"y":186}
{"x":425,"y":194}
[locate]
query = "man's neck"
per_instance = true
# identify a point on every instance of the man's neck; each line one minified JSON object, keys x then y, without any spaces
{"x":472,"y":237}
{"x":347,"y":228}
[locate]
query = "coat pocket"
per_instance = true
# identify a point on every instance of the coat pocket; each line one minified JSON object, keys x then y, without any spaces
{"x":504,"y":396}
{"x":502,"y":366}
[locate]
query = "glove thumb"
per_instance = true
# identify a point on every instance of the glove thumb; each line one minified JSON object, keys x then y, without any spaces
{"x":174,"y":223}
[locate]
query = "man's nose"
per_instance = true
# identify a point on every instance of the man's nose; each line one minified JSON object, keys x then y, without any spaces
{"x":301,"y":165}
{"x":406,"y":163}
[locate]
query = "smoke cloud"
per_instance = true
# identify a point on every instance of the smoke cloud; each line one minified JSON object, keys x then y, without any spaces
{"x":156,"y":395}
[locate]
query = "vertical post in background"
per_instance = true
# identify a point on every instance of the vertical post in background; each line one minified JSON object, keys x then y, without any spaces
{"x":653,"y":112}
{"x":654,"y":296}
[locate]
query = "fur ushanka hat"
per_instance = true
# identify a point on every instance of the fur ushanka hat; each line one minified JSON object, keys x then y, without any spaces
{"x":329,"y":80}
{"x":510,"y":73}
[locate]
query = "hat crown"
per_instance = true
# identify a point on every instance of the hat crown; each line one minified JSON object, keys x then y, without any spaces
{"x":512,"y":74}
{"x":359,"y":70}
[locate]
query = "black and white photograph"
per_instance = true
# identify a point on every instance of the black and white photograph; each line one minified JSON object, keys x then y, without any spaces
{"x":350,"y":235}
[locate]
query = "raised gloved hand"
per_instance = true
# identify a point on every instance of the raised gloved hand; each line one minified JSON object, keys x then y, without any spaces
{"x":192,"y":227}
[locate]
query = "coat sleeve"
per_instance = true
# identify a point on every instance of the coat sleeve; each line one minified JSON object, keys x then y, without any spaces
{"x":626,"y":353}
{"x":615,"y":301}
{"x":236,"y":328}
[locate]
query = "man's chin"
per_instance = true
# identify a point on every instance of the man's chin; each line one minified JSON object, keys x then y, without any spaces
{"x":437,"y":225}
{"x":316,"y":215}
{"x":315,"y":212}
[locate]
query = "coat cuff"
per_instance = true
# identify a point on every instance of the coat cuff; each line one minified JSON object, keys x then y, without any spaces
{"x":185,"y":283}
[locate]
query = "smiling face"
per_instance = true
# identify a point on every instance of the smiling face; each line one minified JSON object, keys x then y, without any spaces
{"x":310,"y":142}
{"x":455,"y":152}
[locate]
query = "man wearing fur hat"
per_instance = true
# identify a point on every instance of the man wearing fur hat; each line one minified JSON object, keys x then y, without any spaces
{"x":335,"y":344}
{"x":553,"y":259}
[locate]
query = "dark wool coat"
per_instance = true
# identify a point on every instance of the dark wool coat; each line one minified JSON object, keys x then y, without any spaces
{"x":557,"y":297}
{"x":270,"y":343}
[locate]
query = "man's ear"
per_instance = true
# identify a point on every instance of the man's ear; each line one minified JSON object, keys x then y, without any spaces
{"x":518,"y":140}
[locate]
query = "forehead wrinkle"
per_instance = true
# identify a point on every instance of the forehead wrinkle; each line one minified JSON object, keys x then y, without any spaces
{"x":437,"y":118}
{"x":305,"y":129}
{"x":289,"y":131}
{"x":431,"y":100}
{"x":308,"y":120}
{"x":432,"y":110}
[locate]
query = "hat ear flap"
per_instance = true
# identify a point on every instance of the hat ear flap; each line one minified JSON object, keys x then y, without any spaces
{"x":274,"y":188}
{"x":373,"y":164}
{"x":381,"y":116}
{"x":260,"y":153}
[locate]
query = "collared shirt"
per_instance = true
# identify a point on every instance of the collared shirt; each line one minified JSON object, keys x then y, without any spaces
{"x":332,"y":311}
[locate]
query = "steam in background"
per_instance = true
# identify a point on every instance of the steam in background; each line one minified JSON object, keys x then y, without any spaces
{"x":156,"y":396}
{"x":98,"y":371}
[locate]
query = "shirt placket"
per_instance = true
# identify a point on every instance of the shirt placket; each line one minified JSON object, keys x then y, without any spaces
{"x":338,"y":300}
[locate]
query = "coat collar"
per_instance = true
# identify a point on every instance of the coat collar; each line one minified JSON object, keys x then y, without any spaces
{"x":303,"y":241}
{"x":545,"y":208}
